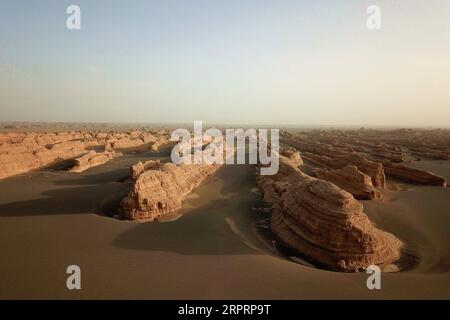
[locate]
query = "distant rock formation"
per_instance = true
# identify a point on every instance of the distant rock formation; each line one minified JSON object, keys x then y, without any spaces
{"x":412,"y":175}
{"x":93,"y":159}
{"x":326,"y":224}
{"x":11,"y":165}
{"x":371,"y":168}
{"x":312,"y":147}
{"x":22,"y":152}
{"x":16,"y":162}
{"x":160,"y":188}
{"x":351,"y":180}
{"x":431,"y":153}
{"x":127,"y":143}
{"x":391,"y":156}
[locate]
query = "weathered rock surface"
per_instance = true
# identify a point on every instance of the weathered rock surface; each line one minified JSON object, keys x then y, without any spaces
{"x":22,"y":152}
{"x":140,"y":167}
{"x":93,"y":159}
{"x":351,"y":180}
{"x":293,"y":155}
{"x":417,"y":176}
{"x":431,"y":153}
{"x":371,"y":168}
{"x":127,"y":143}
{"x":14,"y":163}
{"x":324,"y":223}
{"x":160,"y":188}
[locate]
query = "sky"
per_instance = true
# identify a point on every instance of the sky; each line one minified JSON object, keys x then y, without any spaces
{"x":273,"y":62}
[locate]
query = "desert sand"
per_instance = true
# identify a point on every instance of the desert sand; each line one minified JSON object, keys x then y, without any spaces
{"x":219,"y":245}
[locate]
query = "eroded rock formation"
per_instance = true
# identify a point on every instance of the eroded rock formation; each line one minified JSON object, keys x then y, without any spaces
{"x":93,"y":159}
{"x":126,"y":143}
{"x":22,"y":152}
{"x":371,"y":168}
{"x":324,"y":223}
{"x":293,"y":155}
{"x":412,"y":175}
{"x":160,"y":188}
{"x":16,"y":162}
{"x":351,"y":180}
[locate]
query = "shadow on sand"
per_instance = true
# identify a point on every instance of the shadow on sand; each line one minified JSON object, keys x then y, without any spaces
{"x":223,"y":225}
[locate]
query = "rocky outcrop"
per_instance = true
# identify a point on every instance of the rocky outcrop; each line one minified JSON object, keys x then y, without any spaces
{"x":14,"y":162}
{"x":351,"y":180}
{"x":371,"y":168}
{"x":430,"y":153}
{"x":22,"y":152}
{"x":140,"y":167}
{"x":161,"y":143}
{"x":324,"y":223}
{"x":127,"y":143}
{"x":391,"y":156}
{"x":93,"y":159}
{"x":412,"y":175}
{"x":320,"y":160}
{"x":316,"y":148}
{"x":160,"y":188}
{"x":293,"y":155}
{"x":59,"y":152}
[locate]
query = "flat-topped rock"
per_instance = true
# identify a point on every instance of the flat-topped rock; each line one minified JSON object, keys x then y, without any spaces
{"x":93,"y":159}
{"x":412,"y":175}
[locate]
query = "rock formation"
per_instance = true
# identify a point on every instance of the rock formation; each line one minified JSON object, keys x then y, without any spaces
{"x":324,"y":223}
{"x":15,"y":162}
{"x":293,"y":155}
{"x":93,"y":159}
{"x":127,"y":143}
{"x":417,"y":176}
{"x":351,"y":180}
{"x":160,"y":188}
{"x":140,"y":167}
{"x":21,"y":152}
{"x":371,"y":168}
{"x":430,"y":153}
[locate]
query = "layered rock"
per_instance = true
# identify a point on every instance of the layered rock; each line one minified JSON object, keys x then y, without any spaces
{"x":316,"y":148}
{"x":351,"y":180}
{"x":161,"y":143}
{"x":93,"y":159}
{"x":371,"y":168}
{"x":391,"y":156}
{"x":14,"y":163}
{"x":160,"y":188}
{"x":22,"y":152}
{"x":127,"y":143}
{"x":431,"y":153}
{"x":324,"y":223}
{"x":417,"y":176}
{"x":59,"y":152}
{"x":140,"y":167}
{"x":293,"y":155}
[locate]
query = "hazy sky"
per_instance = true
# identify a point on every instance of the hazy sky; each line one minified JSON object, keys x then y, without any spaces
{"x":222,"y":61}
